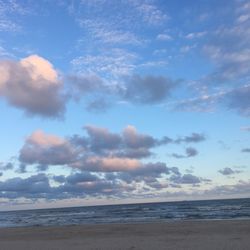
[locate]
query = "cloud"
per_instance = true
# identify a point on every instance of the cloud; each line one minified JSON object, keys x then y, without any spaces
{"x":164,"y":37}
{"x":228,"y":171}
{"x":185,"y":179}
{"x":33,"y":85}
{"x":231,"y":61}
{"x":9,"y":11}
{"x":245,"y":150}
{"x":105,"y":33}
{"x":79,"y":178}
{"x":206,"y":102}
{"x":128,"y":144}
{"x":22,"y":168}
{"x":99,"y":150}
{"x":240,"y":189}
{"x":42,"y":167}
{"x":245,"y":128}
{"x":98,"y":105}
{"x":101,"y":138}
{"x":46,"y":149}
{"x":195,"y":35}
{"x":190,"y":152}
{"x":6,"y":166}
{"x":229,"y":49}
{"x":115,"y":83}
{"x":113,"y":64}
{"x":147,"y":173}
{"x":97,"y":176}
{"x":82,"y":85}
{"x":135,"y":140}
{"x":229,"y":52}
{"x":148,"y":89}
{"x":107,"y":164}
{"x":150,"y":12}
{"x":239,"y":100}
{"x":4,"y":53}
{"x":236,"y":98}
{"x":36,"y":186}
{"x":193,"y":138}
{"x":9,"y":26}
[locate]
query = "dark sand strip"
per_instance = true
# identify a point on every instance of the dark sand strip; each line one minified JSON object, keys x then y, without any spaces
{"x":188,"y":235}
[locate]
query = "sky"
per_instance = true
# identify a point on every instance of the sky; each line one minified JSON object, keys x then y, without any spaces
{"x":109,"y":102}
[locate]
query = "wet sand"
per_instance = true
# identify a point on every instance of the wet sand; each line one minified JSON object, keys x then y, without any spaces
{"x":188,"y":235}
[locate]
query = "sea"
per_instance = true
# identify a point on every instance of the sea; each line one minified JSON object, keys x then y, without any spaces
{"x":130,"y":213}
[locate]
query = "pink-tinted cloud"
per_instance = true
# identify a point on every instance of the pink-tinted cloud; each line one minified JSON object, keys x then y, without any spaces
{"x":108,"y":164}
{"x":33,"y":85}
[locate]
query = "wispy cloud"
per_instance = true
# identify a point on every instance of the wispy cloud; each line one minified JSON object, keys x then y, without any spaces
{"x":105,"y":33}
{"x":111,"y":64}
{"x":8,"y":9}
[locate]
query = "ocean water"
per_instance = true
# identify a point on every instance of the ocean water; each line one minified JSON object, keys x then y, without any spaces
{"x":148,"y":212}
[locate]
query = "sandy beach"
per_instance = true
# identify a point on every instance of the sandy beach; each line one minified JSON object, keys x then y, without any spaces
{"x":188,"y":235}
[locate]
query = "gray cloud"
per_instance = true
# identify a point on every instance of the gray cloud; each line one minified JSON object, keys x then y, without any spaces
{"x":98,"y":105}
{"x":148,"y":89}
{"x":129,"y":143}
{"x":22,"y":168}
{"x":42,"y":167}
{"x":133,"y":88}
{"x":6,"y":166}
{"x":193,"y":138}
{"x":84,"y":184}
{"x":148,"y":170}
{"x":245,"y":150}
{"x":56,"y":155}
{"x":228,"y":171}
{"x":190,"y":152}
{"x":185,"y":179}
{"x":101,"y":138}
{"x":76,"y":185}
{"x":36,"y":186}
{"x":239,"y":100}
{"x":82,"y":85}
{"x":81,"y":177}
{"x":149,"y":174}
{"x":137,"y":153}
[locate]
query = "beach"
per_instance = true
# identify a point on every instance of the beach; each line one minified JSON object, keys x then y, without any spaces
{"x":188,"y":235}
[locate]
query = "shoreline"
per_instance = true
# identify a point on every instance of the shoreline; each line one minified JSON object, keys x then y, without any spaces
{"x":160,"y":221}
{"x":177,"y":235}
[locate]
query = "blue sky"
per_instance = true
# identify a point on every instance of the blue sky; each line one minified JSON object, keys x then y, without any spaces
{"x":107,"y":102}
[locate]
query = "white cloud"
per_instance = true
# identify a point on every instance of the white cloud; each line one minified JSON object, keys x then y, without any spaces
{"x":7,"y":9}
{"x":150,"y":12}
{"x":195,"y":35}
{"x":109,"y":33}
{"x":111,"y":64}
{"x":164,"y":37}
